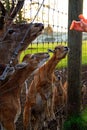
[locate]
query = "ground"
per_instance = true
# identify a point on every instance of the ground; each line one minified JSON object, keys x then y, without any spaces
{"x":63,"y":72}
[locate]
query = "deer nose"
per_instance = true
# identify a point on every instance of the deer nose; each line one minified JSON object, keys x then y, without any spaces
{"x":59,"y":77}
{"x":66,"y":48}
{"x":39,"y":25}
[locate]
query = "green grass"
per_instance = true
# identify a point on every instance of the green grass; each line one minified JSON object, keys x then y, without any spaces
{"x":84,"y":52}
{"x":40,"y":47}
{"x":84,"y":114}
{"x":75,"y":122}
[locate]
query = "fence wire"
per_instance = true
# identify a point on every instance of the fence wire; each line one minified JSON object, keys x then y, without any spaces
{"x":54,"y":16}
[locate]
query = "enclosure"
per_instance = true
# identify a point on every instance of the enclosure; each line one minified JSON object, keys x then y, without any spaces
{"x":57,"y":16}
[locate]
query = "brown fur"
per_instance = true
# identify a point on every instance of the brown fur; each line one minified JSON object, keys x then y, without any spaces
{"x":12,"y":34}
{"x":12,"y":41}
{"x":84,"y":96}
{"x":10,"y":106}
{"x":42,"y":84}
{"x":59,"y":98}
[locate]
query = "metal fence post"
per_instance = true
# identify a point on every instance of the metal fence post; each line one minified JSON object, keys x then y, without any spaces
{"x":74,"y":59}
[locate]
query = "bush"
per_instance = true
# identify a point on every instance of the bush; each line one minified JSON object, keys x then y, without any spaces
{"x":75,"y":123}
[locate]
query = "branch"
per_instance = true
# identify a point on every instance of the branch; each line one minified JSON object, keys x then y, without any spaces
{"x":12,"y":7}
{"x":2,"y":15}
{"x":17,"y":8}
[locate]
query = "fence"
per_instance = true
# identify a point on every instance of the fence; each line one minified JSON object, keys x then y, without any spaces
{"x":54,"y":16}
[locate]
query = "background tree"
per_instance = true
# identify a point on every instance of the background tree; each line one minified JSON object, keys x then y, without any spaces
{"x":8,"y":6}
{"x":48,"y":30}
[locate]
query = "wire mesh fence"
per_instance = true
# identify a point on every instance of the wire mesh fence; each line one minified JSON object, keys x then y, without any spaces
{"x":54,"y":16}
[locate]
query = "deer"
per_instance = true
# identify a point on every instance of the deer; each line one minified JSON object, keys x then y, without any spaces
{"x":10,"y":91}
{"x":83,"y":96}
{"x":14,"y":38}
{"x":59,"y":97}
{"x":40,"y":89}
{"x":59,"y":101}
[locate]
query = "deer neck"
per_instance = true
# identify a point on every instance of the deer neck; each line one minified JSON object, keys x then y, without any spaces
{"x":17,"y":79}
{"x":51,"y":64}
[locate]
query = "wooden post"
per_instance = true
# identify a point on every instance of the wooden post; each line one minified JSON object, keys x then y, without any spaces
{"x":74,"y":59}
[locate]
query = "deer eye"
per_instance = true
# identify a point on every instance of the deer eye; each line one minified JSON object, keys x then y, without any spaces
{"x":10,"y":31}
{"x":33,"y":57}
{"x":57,"y":48}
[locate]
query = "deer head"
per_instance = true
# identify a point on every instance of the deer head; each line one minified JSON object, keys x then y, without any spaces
{"x":24,"y":70}
{"x":39,"y":57}
{"x":14,"y":34}
{"x":59,"y":52}
{"x":13,"y":86}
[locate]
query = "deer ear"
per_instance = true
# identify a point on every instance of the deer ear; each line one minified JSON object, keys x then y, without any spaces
{"x":49,"y":50}
{"x":21,"y":66}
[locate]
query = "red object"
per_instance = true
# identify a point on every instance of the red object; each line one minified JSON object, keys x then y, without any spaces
{"x":76,"y":25}
{"x":82,"y":17}
{"x":79,"y":25}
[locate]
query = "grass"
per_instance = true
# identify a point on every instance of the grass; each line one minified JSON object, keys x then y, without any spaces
{"x":78,"y":122}
{"x":75,"y":122}
{"x":84,"y":52}
{"x":84,"y":114}
{"x":43,"y":47}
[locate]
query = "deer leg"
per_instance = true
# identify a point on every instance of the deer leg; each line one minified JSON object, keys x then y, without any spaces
{"x":45,"y":104}
{"x":48,"y":108}
{"x":36,"y":125}
{"x":26,"y":116}
{"x":42,"y":95}
{"x":26,"y":86}
{"x":9,"y":126}
{"x":1,"y":127}
{"x":52,"y":111}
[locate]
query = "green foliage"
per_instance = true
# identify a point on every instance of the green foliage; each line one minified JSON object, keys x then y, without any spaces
{"x":75,"y":123}
{"x":84,"y":114}
{"x":7,"y":3}
{"x":19,"y":18}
